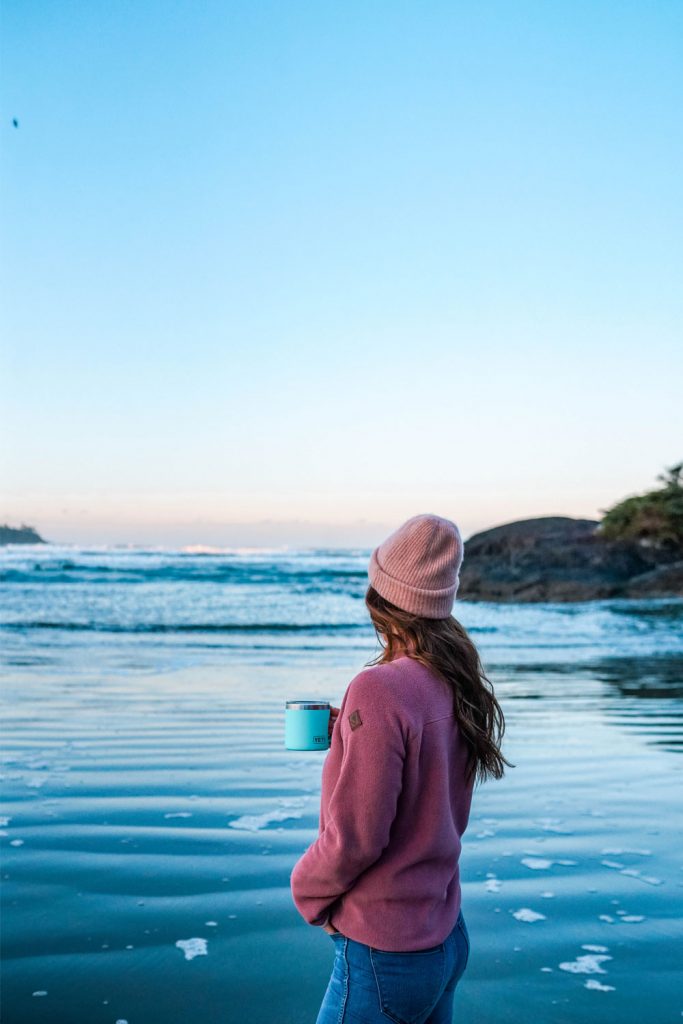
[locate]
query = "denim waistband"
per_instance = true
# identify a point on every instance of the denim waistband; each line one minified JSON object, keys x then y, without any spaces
{"x":361,"y":945}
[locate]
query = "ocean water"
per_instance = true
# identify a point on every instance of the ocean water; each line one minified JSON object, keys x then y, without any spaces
{"x":150,"y":815}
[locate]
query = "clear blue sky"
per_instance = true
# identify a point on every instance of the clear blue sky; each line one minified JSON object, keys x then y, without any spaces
{"x":289,"y":272}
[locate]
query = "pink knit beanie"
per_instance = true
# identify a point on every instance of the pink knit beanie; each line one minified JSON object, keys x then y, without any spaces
{"x":417,"y":567}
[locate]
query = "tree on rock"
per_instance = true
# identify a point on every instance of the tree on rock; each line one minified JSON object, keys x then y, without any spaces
{"x":654,"y":519}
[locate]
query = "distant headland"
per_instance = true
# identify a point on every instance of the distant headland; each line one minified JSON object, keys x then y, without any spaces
{"x":635,"y":550}
{"x":19,"y":535}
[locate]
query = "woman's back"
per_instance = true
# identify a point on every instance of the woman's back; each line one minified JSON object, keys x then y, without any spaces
{"x":394,"y":805}
{"x":416,"y":729}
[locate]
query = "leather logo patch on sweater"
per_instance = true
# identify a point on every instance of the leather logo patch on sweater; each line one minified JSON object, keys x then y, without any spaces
{"x":355,"y":720}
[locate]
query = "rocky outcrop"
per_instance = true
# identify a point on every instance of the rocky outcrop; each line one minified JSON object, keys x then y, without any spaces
{"x":664,"y":581}
{"x":19,"y":535}
{"x":557,"y":558}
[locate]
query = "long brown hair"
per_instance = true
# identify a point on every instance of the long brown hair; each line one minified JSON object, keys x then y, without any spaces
{"x":445,"y":646}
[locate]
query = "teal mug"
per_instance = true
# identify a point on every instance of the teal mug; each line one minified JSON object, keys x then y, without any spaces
{"x":307,"y":724}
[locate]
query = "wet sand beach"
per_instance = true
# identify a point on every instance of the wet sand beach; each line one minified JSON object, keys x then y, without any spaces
{"x":151,"y":816}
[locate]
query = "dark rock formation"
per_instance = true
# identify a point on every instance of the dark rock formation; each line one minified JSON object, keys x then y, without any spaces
{"x":666,"y":580}
{"x":557,"y":558}
{"x":19,"y":535}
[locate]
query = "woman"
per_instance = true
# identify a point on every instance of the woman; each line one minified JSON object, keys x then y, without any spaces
{"x":415,"y":730}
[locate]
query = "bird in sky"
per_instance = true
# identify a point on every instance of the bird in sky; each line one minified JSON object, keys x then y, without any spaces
{"x":15,"y":122}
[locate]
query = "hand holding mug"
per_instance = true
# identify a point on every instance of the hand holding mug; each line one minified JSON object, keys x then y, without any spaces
{"x":334,"y":715}
{"x":307,"y":724}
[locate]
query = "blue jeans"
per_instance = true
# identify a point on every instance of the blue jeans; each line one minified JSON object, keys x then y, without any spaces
{"x":372,"y":986}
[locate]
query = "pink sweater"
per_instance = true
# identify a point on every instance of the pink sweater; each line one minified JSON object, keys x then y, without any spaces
{"x":393,"y":808}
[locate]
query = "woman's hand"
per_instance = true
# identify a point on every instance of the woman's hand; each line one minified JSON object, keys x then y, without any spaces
{"x":330,"y":929}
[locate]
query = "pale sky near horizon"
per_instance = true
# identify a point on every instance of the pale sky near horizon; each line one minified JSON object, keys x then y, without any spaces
{"x":293,"y":272}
